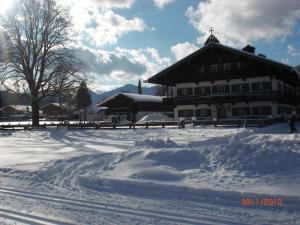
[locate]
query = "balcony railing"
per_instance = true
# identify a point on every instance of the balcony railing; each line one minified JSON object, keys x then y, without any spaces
{"x":278,"y":96}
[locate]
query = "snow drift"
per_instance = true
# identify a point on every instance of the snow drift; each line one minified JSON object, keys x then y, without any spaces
{"x":154,"y":117}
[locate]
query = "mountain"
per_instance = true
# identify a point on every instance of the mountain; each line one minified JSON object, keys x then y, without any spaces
{"x":297,"y":68}
{"x":130,"y":88}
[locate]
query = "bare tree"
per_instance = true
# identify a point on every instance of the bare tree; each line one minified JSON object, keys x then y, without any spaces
{"x":38,"y":57}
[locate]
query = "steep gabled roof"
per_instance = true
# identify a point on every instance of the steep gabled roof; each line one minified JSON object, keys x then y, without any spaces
{"x":134,"y":97}
{"x":259,"y":58}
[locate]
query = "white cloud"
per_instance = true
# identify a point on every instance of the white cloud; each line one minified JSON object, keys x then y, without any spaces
{"x":162,"y":3}
{"x":107,"y":4}
{"x":114,"y":3}
{"x":182,"y":50}
{"x":96,"y":22}
{"x":291,"y":49}
{"x":239,"y":22}
{"x":110,"y":69}
{"x":149,"y":57}
{"x":109,"y":27}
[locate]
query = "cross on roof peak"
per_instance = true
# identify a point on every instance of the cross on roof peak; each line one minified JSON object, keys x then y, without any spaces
{"x":211,"y":30}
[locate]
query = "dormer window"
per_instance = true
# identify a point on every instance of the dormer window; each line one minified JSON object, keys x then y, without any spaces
{"x":214,"y":68}
{"x":226,"y":66}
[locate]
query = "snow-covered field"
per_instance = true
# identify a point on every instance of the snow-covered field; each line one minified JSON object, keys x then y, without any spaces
{"x":150,"y":176}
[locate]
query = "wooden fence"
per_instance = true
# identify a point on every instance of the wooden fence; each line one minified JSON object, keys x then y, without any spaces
{"x":110,"y":125}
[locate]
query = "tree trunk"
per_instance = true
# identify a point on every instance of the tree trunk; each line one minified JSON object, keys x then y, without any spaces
{"x":35,"y":113}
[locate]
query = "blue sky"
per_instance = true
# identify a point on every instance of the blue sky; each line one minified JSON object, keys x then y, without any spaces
{"x":124,"y":40}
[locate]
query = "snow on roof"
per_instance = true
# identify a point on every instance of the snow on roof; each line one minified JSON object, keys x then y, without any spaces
{"x":143,"y":98}
{"x":23,"y":108}
{"x":63,"y":105}
{"x":135,"y":97}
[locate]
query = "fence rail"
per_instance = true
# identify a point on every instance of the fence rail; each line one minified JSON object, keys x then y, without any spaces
{"x":110,"y":125}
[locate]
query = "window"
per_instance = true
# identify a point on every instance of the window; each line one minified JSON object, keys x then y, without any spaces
{"x":256,"y":86}
{"x":261,"y":86}
{"x":226,"y":66}
{"x":186,"y":113}
{"x":220,"y":89}
{"x":262,"y":110}
{"x":279,"y":87}
{"x":189,"y":91}
{"x":197,"y":91}
{"x":206,"y":90}
{"x":184,"y":91}
{"x":180,"y":92}
{"x":235,"y":88}
{"x":266,"y":86}
{"x":238,"y":66}
{"x":282,"y":110}
{"x":203,"y":112}
{"x":201,"y":69}
{"x":200,"y":91}
{"x":245,"y":88}
{"x":241,"y":111}
{"x":240,"y":88}
{"x":214,"y":68}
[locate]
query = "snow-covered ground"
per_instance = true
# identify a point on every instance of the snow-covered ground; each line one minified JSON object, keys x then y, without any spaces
{"x":150,"y":176}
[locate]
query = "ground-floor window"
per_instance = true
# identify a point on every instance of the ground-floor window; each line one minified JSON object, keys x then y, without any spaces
{"x":283,"y":110}
{"x":241,"y":111}
{"x":203,"y":113}
{"x":262,"y":110}
{"x":186,"y":113}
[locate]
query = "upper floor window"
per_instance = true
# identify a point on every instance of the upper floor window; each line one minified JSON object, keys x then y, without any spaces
{"x":261,"y":86}
{"x":266,"y":86}
{"x":189,"y":91}
{"x":279,"y":87}
{"x":238,"y":65}
{"x":256,"y":86}
{"x":200,"y":91}
{"x":220,"y":89}
{"x":240,"y":87}
{"x":226,"y":66}
{"x":214,"y":68}
{"x":201,"y":69}
{"x":180,"y":92}
{"x":184,"y":91}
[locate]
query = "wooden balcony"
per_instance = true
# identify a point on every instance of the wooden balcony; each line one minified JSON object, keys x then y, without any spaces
{"x":274,"y":96}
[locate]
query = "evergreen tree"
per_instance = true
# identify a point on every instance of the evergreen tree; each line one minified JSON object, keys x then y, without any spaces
{"x":83,"y":99}
{"x":140,"y":91}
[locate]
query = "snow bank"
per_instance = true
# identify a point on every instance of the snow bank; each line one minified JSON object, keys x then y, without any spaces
{"x":156,"y":143}
{"x":155,"y":117}
{"x":258,"y":154}
{"x":179,"y":159}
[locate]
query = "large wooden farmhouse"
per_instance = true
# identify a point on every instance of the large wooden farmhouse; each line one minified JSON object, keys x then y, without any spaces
{"x":218,"y":81}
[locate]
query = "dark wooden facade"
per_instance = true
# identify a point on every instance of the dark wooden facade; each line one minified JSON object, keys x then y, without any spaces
{"x":197,"y":67}
{"x":127,"y":104}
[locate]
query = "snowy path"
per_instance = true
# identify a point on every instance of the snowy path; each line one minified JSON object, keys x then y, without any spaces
{"x":149,"y":176}
{"x":141,"y":211}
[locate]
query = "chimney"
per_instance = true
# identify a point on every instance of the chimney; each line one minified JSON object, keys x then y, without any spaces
{"x":249,"y":49}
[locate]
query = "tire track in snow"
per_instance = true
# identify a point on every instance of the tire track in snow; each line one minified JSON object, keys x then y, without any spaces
{"x":147,"y":213}
{"x":28,"y":219}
